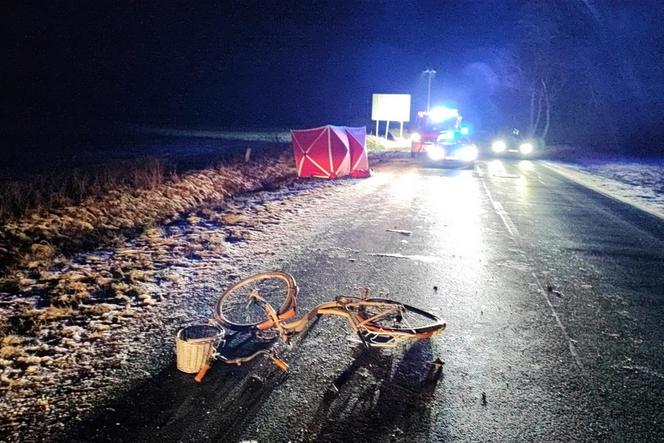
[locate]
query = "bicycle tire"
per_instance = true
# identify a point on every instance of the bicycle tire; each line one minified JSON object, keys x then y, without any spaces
{"x":414,"y":322}
{"x":235,"y":310}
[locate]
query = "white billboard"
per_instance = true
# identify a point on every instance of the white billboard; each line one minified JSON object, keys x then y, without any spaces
{"x":391,"y":107}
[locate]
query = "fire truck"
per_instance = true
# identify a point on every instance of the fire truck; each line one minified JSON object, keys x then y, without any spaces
{"x":439,"y":136}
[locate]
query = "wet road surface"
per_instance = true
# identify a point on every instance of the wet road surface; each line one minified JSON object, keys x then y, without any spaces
{"x":553,"y":296}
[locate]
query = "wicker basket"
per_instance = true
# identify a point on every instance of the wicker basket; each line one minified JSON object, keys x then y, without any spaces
{"x":194,"y":346}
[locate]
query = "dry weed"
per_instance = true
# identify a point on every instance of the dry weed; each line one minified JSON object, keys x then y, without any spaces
{"x":98,"y":309}
{"x":11,"y":340}
{"x":232,"y":219}
{"x":51,"y":313}
{"x":42,"y":251}
{"x":11,"y":349}
{"x":71,"y":292}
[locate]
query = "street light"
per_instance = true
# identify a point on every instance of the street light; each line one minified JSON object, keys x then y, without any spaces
{"x":430,"y":73}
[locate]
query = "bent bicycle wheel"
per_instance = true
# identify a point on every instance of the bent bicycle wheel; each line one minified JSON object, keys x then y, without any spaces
{"x":391,"y":317}
{"x":240,"y":306}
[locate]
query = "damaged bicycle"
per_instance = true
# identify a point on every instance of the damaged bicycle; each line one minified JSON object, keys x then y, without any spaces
{"x":265,"y":305}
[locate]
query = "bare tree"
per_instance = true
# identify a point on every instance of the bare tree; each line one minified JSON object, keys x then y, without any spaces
{"x":541,"y":39}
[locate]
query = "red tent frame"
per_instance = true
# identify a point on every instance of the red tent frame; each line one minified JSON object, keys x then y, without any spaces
{"x":330,"y":152}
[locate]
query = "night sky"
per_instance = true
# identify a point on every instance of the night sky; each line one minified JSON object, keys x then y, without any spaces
{"x":292,"y":64}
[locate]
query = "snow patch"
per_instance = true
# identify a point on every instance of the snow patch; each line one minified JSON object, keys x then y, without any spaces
{"x":636,"y":184}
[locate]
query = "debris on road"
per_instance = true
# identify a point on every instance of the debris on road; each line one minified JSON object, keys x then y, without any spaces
{"x":551,"y":289}
{"x":422,"y":258}
{"x":401,"y":231}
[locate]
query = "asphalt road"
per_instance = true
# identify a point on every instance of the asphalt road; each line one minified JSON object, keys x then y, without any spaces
{"x":553,"y":296}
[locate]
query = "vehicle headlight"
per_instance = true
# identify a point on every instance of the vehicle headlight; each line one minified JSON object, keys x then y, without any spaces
{"x":526,"y":148}
{"x":415,"y":137}
{"x":468,"y":153}
{"x":498,"y":146}
{"x":436,"y":152}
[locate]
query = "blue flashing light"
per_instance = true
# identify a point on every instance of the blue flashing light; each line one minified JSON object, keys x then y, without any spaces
{"x":465,"y":130}
{"x":440,"y":114}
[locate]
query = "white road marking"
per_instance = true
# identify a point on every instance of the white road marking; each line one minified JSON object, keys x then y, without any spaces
{"x":507,"y":220}
{"x":514,"y":233}
{"x":570,"y":342}
{"x":498,"y":207}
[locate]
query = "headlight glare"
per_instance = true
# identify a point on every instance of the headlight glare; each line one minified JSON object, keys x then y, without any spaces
{"x":468,"y":153}
{"x":498,"y":146}
{"x":526,"y":148}
{"x":415,"y":137}
{"x":436,"y":152}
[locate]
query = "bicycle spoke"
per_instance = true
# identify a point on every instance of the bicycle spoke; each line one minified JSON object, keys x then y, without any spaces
{"x":243,"y":304}
{"x":392,"y":320}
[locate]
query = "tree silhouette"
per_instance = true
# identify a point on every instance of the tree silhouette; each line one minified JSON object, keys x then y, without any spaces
{"x":542,"y":47}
